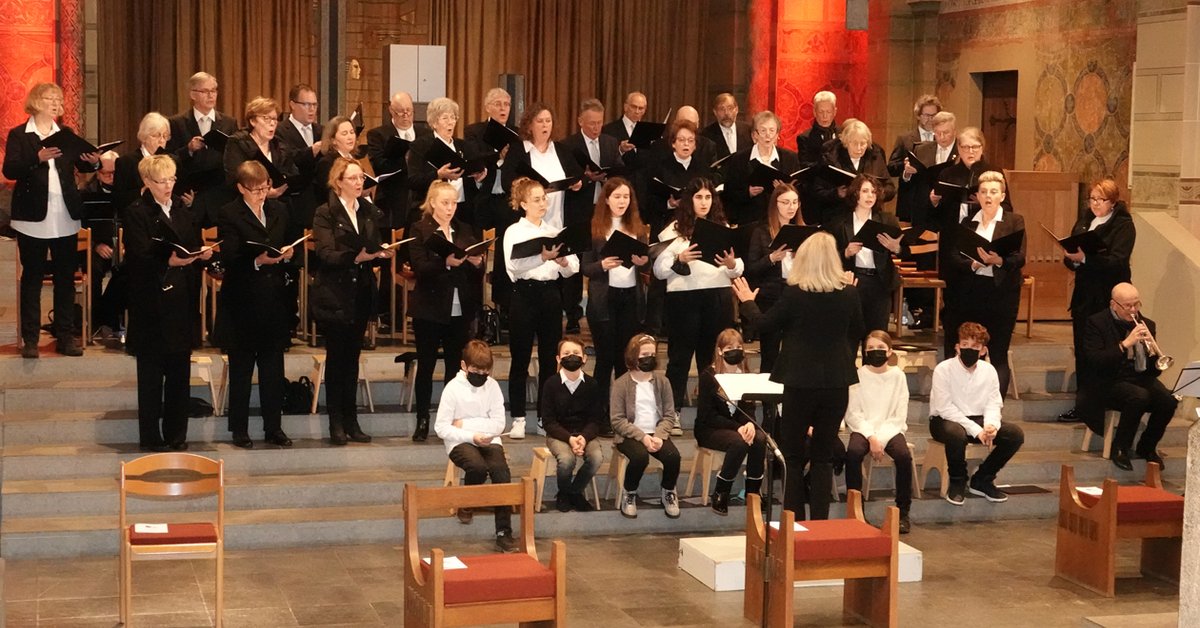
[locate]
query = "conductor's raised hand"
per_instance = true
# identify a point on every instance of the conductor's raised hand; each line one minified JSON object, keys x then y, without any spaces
{"x":741,"y":290}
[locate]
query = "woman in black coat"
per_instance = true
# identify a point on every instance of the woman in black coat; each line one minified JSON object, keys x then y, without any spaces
{"x":160,"y":230}
{"x":254,"y":320}
{"x":348,"y":234}
{"x":447,"y":295}
{"x":670,"y":171}
{"x":874,"y":272}
{"x":442,"y":116}
{"x":1096,"y":274}
{"x":821,"y":318}
{"x":256,"y":142}
{"x":46,"y":210}
{"x":854,"y":152}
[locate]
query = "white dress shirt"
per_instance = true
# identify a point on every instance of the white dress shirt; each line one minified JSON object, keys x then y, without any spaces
{"x":865,"y":258}
{"x":754,"y":156}
{"x":58,"y":222}
{"x":878,"y":404}
{"x":987,"y":270}
{"x":409,"y":134}
{"x":482,"y":407}
{"x":629,"y":124}
{"x":621,"y":277}
{"x":305,"y":130}
{"x":571,"y":384}
{"x":943,"y":153}
{"x":204,"y":120}
{"x":457,"y":183}
{"x":703,"y":276}
{"x":548,"y":165}
{"x":352,"y":212}
{"x":926,"y":136}
{"x":958,"y":393}
{"x":534,"y":267}
{"x":730,"y":134}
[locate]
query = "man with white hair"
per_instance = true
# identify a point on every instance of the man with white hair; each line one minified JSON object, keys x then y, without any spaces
{"x":202,"y":167}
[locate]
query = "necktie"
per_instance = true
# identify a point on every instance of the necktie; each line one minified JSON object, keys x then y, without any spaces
{"x":594,"y":151}
{"x":730,"y":139}
{"x":205,"y":125}
{"x":306,"y":131}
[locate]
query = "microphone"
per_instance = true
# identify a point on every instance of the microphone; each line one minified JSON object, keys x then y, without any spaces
{"x":770,"y":441}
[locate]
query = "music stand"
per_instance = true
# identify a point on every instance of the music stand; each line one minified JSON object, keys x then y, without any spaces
{"x":759,"y":387}
{"x":1188,"y":382}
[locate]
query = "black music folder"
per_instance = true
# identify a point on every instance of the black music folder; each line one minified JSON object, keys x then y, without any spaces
{"x":831,"y":174}
{"x":278,"y":178}
{"x":624,"y":246}
{"x":713,"y":239}
{"x":72,"y":145}
{"x":396,"y":148}
{"x":440,"y":154}
{"x":575,"y":239}
{"x":645,"y":133}
{"x":216,"y":139}
{"x":950,"y":189}
{"x":967,"y":241}
{"x":1088,"y":241}
{"x":931,"y":171}
{"x":498,"y":135}
{"x":277,"y":252}
{"x":585,"y":162}
{"x":370,"y":181}
{"x":792,"y":236}
{"x":764,"y":176}
{"x":549,"y":186}
{"x":870,"y":231}
{"x":356,"y":119}
{"x":662,"y":188}
{"x":442,"y":247}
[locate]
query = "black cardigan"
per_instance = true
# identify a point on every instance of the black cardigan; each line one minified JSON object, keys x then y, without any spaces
{"x":566,"y":414}
{"x":821,"y":332}
{"x":712,"y":411}
{"x":32,"y":189}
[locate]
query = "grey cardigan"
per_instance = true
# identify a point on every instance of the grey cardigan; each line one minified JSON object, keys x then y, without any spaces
{"x":623,"y":407}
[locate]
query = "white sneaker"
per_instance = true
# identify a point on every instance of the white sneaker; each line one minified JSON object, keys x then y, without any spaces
{"x":670,"y":502}
{"x":629,"y":504}
{"x":518,"y":429}
{"x":677,"y":431}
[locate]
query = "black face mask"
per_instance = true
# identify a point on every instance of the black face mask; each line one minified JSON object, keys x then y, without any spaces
{"x":733,"y":356}
{"x":968,"y":356}
{"x":477,"y":379}
{"x":571,"y":362}
{"x":647,"y":363}
{"x":876,"y":357}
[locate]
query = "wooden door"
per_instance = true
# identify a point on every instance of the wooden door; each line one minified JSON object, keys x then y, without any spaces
{"x":1051,"y":199}
{"x":999,"y":123}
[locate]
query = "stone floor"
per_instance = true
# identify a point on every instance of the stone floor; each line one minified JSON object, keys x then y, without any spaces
{"x":981,"y":574}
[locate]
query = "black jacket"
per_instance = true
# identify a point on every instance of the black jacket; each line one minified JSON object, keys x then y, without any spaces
{"x":668,"y":170}
{"x":821,"y":332}
{"x":610,"y":155}
{"x":741,"y":130}
{"x":203,"y":171}
{"x":811,"y":143}
{"x":1006,"y":277}
{"x":254,"y":312}
{"x":577,"y":206}
{"x":565,"y":414}
{"x":842,"y":229}
{"x":597,"y":302}
{"x":1102,"y":354}
{"x":913,"y":195}
{"x":433,"y":296}
{"x":31,"y":177}
{"x":421,"y":174}
{"x":616,"y":130}
{"x":712,"y":411}
{"x":301,"y":202}
{"x":242,"y":148}
{"x":392,"y":195}
{"x":1095,"y":278}
{"x":763,"y":274}
{"x":906,"y":198}
{"x":163,"y":310}
{"x":740,"y":207}
{"x":339,"y":281}
{"x":826,"y":194}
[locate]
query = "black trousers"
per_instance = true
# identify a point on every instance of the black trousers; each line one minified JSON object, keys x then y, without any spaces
{"x":535,"y":312}
{"x":954,"y":436}
{"x":897,"y":450}
{"x":451,"y":336}
{"x":768,"y":340}
{"x":736,"y":451}
{"x":1133,"y":398}
{"x":33,"y":270}
{"x":501,"y":215}
{"x":656,"y":295}
{"x":639,"y":459}
{"x":270,"y":389}
{"x":694,"y":319}
{"x":876,"y":297}
{"x":479,"y":464}
{"x":610,"y":336}
{"x":978,"y":300}
{"x":343,"y":346}
{"x":164,"y":387}
{"x":821,"y":409}
{"x":572,"y":296}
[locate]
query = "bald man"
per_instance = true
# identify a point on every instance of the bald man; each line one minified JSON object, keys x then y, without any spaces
{"x":633,"y":110}
{"x":1124,"y":377}
{"x":728,"y":134}
{"x":393,"y":196}
{"x":99,"y":216}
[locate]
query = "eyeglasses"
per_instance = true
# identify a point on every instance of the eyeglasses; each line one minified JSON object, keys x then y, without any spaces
{"x":306,"y":105}
{"x":207,"y":92}
{"x":168,"y":180}
{"x":1096,"y":199}
{"x":268,"y":119}
{"x":1136,"y":305}
{"x":926,"y":115}
{"x":259,"y":190}
{"x":352,"y":177}
{"x":970,"y":147}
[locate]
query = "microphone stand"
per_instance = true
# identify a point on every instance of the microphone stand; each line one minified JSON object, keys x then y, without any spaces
{"x":773,"y":454}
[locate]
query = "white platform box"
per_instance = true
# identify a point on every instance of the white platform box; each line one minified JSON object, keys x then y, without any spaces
{"x":720,"y":563}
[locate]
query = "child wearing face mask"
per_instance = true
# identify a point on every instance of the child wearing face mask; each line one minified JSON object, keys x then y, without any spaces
{"x":573,"y":411}
{"x":965,"y":405}
{"x":877,"y":415}
{"x":470,"y":419}
{"x":642,"y":412}
{"x":724,"y":426}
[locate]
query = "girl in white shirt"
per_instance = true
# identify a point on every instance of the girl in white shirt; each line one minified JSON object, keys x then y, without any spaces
{"x":877,"y":416}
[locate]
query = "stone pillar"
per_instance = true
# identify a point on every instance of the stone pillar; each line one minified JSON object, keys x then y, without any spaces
{"x":1189,"y":578}
{"x":1189,"y":162}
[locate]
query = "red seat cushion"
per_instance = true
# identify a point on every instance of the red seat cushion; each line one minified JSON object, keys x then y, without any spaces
{"x":496,"y":577}
{"x":1141,"y":504}
{"x":840,"y":539}
{"x":177,"y":534}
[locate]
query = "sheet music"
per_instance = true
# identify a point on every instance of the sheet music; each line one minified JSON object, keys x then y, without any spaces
{"x":795,"y":526}
{"x":736,"y":385}
{"x":448,"y":562}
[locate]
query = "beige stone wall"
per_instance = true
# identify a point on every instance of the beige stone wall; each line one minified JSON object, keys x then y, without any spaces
{"x":1158,"y":106}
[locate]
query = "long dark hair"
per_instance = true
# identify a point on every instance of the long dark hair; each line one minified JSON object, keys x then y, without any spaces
{"x":685,"y":213}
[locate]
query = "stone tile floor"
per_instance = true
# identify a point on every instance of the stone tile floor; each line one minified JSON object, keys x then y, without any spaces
{"x":993,"y":574}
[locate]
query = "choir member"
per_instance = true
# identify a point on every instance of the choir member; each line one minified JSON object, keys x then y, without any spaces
{"x":767,"y":270}
{"x":748,"y":203}
{"x":951,"y":211}
{"x":258,"y":138}
{"x":338,"y":141}
{"x":854,"y":152}
{"x":46,"y":212}
{"x":821,"y":319}
{"x":300,"y":138}
{"x":442,"y":114}
{"x":874,"y":272}
{"x":987,"y":293}
{"x":348,"y":231}
{"x":573,"y":409}
{"x":899,"y":166}
{"x":162,"y":257}
{"x":668,"y":175}
{"x":698,"y":303}
{"x":101,"y":218}
{"x":705,"y":149}
{"x":942,"y":150}
{"x":811,"y":146}
{"x":393,"y":197}
{"x":447,"y":293}
{"x":1095,"y":276}
{"x":632,"y":112}
{"x":254,"y":320}
{"x":154,"y":131}
{"x":728,"y":134}
{"x":599,"y":149}
{"x":536,"y":309}
{"x":725,"y":426}
{"x":492,"y":202}
{"x":202,"y":171}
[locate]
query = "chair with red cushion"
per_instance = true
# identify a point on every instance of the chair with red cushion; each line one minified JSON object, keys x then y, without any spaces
{"x":172,"y":476}
{"x":494,"y":588}
{"x":847,"y":549}
{"x":1089,"y":527}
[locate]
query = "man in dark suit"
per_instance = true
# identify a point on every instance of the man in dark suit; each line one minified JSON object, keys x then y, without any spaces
{"x":100,"y":216}
{"x":727,"y":133}
{"x":392,"y":196}
{"x":300,"y":135}
{"x":492,"y":209}
{"x":633,"y":111}
{"x":925,"y":109}
{"x":1116,"y":347}
{"x":202,"y":167}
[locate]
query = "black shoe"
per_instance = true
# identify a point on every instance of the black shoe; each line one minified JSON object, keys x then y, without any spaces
{"x":358,"y":436}
{"x":572,"y":326}
{"x":180,"y":446}
{"x":67,"y":345}
{"x":422,"y":432}
{"x":988,"y":491}
{"x":562,"y":502}
{"x":1153,"y":456}
{"x":242,"y":439}
{"x":505,"y":543}
{"x":905,"y":524}
{"x":957,"y":493}
{"x":1070,"y":416}
{"x":465,"y":516}
{"x":580,"y":503}
{"x":29,"y":350}
{"x":154,"y":447}
{"x":1120,"y":459}
{"x":279,"y":439}
{"x":337,"y":437}
{"x":720,"y":503}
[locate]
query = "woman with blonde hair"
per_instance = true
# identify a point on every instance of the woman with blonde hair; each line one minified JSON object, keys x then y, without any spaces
{"x":821,"y":320}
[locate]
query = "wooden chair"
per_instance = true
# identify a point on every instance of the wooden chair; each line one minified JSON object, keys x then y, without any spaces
{"x":494,"y":588}
{"x":1029,"y":282}
{"x":705,"y":461}
{"x":935,"y":460}
{"x":317,"y":377}
{"x":543,"y":466}
{"x":306,"y":321}
{"x":210,"y":287}
{"x":172,"y":476}
{"x":869,"y":464}
{"x":489,"y":264}
{"x":847,"y":549}
{"x":1089,"y":527}
{"x":1111,"y":418}
{"x":403,"y":280}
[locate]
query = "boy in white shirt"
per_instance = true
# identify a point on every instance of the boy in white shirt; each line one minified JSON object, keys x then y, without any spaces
{"x":470,"y":419}
{"x":964,"y":405}
{"x":877,"y":416}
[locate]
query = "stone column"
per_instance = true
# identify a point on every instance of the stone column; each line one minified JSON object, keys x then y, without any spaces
{"x":1189,"y":577}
